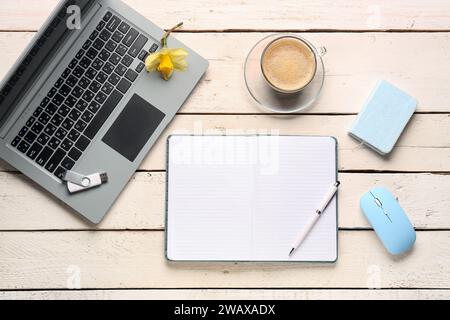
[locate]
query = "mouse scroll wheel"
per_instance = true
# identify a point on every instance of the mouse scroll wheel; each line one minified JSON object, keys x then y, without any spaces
{"x":378,"y":202}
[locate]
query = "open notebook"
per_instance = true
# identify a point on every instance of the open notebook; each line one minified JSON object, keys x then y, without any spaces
{"x":246,"y":198}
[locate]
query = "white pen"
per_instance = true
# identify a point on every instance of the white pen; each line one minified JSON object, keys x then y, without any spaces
{"x":326,"y":200}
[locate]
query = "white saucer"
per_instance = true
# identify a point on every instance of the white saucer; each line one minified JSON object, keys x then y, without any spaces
{"x":269,"y":99}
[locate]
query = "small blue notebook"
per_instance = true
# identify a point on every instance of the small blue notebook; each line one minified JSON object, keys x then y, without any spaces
{"x":383,"y":118}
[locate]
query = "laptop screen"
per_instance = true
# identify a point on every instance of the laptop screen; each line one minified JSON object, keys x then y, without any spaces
{"x":29,"y":67}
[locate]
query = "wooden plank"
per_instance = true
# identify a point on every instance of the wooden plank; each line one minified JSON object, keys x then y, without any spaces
{"x":229,"y":294}
{"x":424,"y":146}
{"x":24,"y":206}
{"x":400,"y":58}
{"x":127,"y":259}
{"x":235,"y":14}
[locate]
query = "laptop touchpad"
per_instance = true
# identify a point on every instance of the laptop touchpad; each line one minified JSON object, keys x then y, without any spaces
{"x":133,"y":128}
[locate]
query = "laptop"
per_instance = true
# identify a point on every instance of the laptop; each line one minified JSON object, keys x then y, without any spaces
{"x":79,"y":99}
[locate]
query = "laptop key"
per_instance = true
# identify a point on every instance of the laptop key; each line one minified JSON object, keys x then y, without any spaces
{"x":71,"y":81}
{"x":127,"y":60}
{"x":130,"y":37}
{"x":97,"y":64}
{"x":80,"y":54}
{"x":137,"y":46}
{"x":100,"y":25}
{"x":44,"y":118}
{"x":37,"y":112}
{"x":84,"y":82}
{"x":15,"y":142}
{"x":154,"y":48}
{"x":64,"y":110}
{"x":58,"y":99}
{"x":94,"y":106}
{"x":80,"y":125}
{"x":93,"y":35}
{"x":85,"y":62}
{"x":143,"y":55}
{"x":34,"y":151}
{"x":91,"y":73}
{"x":65,"y":90}
{"x":114,"y":79}
{"x":113,"y":23}
{"x":45,"y":102}
{"x":67,"y":124}
{"x":123,"y":86}
{"x":66,"y":145}
{"x":43,"y":139}
{"x":107,"y":16}
{"x":111,"y":45}
{"x":75,"y":154}
{"x":107,"y":88}
{"x":67,"y":163}
{"x":104,"y":55}
{"x":124,"y":27}
{"x":77,"y":91}
{"x":52,"y":92}
{"x":121,"y":69}
{"x":131,"y":75}
{"x":99,"y":43}
{"x":87,"y":116}
{"x":121,"y":49}
{"x":73,"y":63}
{"x":74,"y":115}
{"x":50,"y":129}
{"x":101,"y":77}
{"x":81,"y":105}
{"x":73,"y":135}
{"x":60,"y":133}
{"x":23,"y":147}
{"x":30,"y":137}
{"x":70,"y":101}
{"x":117,"y":36}
{"x":100,"y":97}
{"x":78,"y":72}
{"x":57,"y":119}
{"x":44,"y":156}
{"x":108,"y":68}
{"x":114,"y":59}
{"x":92,"y":53}
{"x":105,"y":35}
{"x":82,"y":143}
{"x":55,"y":160}
{"x":60,"y":173}
{"x":59,"y":83}
{"x":103,"y":114}
{"x":51,"y":109}
{"x":30,"y":122}
{"x":87,"y":44}
{"x":23,"y":131}
{"x":66,"y":73}
{"x":88,"y":96}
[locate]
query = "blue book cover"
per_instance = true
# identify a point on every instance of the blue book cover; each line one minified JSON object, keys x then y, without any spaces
{"x":384,"y":117}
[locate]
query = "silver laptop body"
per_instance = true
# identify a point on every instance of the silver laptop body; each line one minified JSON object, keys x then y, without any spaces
{"x":78,"y":99}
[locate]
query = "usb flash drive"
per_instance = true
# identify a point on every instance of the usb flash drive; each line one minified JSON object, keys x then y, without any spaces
{"x":77,"y":182}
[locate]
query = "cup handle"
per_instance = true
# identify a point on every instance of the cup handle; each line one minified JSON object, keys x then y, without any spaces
{"x":322,"y":51}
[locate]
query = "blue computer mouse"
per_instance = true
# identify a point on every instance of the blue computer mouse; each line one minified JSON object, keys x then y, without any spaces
{"x":388,"y":220}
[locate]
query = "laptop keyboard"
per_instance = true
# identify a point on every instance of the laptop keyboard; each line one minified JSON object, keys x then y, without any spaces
{"x":82,"y":99}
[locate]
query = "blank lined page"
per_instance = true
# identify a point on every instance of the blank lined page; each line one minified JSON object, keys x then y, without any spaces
{"x":246,"y":198}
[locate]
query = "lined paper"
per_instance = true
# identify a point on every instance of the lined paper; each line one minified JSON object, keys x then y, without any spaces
{"x":246,"y":198}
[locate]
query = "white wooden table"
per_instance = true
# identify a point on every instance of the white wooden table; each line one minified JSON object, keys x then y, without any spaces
{"x":45,"y":250}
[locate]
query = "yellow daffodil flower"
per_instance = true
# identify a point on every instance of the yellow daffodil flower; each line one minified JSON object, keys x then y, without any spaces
{"x":167,"y":60}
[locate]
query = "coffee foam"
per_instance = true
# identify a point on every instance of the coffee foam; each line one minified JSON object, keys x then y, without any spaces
{"x":289,"y":64}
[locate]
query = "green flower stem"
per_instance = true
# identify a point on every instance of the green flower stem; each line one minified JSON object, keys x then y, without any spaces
{"x":167,"y":34}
